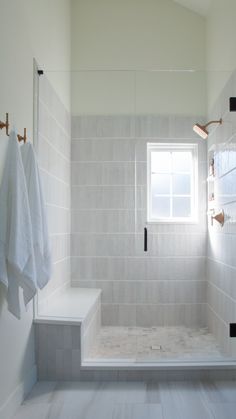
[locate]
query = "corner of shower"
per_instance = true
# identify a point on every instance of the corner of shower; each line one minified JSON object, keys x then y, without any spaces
{"x":158,"y":305}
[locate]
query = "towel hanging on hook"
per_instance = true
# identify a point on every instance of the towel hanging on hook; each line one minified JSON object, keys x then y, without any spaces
{"x":6,"y":125}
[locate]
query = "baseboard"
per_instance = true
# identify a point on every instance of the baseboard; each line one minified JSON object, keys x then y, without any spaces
{"x":15,"y":399}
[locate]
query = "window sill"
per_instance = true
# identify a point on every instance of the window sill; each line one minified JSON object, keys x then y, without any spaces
{"x":192,"y":221}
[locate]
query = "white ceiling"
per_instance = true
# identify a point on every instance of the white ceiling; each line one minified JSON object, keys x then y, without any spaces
{"x":199,"y":6}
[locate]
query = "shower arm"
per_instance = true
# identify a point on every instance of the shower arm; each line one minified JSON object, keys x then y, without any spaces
{"x":214,"y":122}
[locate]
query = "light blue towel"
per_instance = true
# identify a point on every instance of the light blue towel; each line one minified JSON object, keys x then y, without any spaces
{"x":38,"y":216}
{"x":17,"y":266}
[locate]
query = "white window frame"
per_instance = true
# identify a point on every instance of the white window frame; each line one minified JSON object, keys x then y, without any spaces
{"x":193,"y":148}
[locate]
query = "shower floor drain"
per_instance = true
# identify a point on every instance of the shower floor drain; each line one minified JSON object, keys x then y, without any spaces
{"x":156,"y":348}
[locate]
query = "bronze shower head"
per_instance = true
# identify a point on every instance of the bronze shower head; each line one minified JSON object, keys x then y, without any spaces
{"x":201,"y":130}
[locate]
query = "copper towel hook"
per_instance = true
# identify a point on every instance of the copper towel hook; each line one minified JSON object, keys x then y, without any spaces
{"x":24,"y":138}
{"x":5,"y":124}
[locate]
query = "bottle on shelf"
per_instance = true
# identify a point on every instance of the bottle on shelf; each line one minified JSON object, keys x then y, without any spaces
{"x":211,"y":196}
{"x":212,"y":167}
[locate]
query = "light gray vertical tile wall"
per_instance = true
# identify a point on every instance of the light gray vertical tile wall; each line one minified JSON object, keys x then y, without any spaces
{"x":221,"y":264}
{"x":167,"y":284}
{"x":54,"y":155}
{"x":58,"y":351}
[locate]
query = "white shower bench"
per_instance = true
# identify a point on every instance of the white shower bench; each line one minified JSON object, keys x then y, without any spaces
{"x":66,"y":328}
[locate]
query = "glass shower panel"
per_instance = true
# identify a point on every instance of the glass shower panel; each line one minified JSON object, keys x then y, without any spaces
{"x":154,"y":304}
{"x":171,"y":310}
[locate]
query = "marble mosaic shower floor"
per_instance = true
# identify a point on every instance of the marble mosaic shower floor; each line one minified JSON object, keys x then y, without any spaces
{"x":155,"y":343}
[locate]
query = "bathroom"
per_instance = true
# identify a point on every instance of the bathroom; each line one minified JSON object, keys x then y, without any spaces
{"x":141,"y":301}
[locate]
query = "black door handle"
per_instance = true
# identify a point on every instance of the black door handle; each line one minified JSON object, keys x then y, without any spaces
{"x":145,"y":239}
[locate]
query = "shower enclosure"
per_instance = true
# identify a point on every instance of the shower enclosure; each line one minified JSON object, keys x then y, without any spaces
{"x":166,"y":302}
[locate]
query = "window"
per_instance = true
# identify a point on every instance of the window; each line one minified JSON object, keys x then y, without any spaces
{"x":172,"y":182}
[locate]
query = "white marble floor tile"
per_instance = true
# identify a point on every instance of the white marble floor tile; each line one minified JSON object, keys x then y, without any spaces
{"x":76,"y":393}
{"x":92,"y":410}
{"x":183,"y":400}
{"x":223,"y":410}
{"x":123,"y":392}
{"x":137,"y":411}
{"x":220,"y":392}
{"x":41,"y":393}
{"x":186,"y":411}
{"x":130,"y":400}
{"x":66,"y":411}
{"x":36,"y":411}
{"x":177,"y":392}
{"x":100,"y":410}
{"x":153,"y":392}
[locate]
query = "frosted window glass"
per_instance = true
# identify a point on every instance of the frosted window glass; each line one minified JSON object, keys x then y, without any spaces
{"x":161,"y":184}
{"x":172,"y":182}
{"x":181,"y":207}
{"x":160,"y":207}
{"x":161,"y":162}
{"x":181,"y":184}
{"x":181,"y":161}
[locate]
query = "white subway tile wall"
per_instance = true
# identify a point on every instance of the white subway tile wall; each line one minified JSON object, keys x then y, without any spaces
{"x":166,"y":285}
{"x":221,"y":263}
{"x":54,"y":156}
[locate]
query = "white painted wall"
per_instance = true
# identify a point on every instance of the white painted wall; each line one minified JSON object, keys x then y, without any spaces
{"x":137,"y":35}
{"x":140,"y":92}
{"x":199,"y":6}
{"x":221,"y":51}
{"x":40,"y":29}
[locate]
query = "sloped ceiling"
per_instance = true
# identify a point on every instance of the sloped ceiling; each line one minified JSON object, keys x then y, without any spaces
{"x":199,"y":6}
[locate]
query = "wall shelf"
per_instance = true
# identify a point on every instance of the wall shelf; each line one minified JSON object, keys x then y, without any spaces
{"x":211,"y":184}
{"x":211,"y":178}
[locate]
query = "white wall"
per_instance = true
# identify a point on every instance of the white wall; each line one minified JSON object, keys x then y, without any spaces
{"x":138,"y":92}
{"x":137,"y":35}
{"x":40,"y":29}
{"x":221,"y":52}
